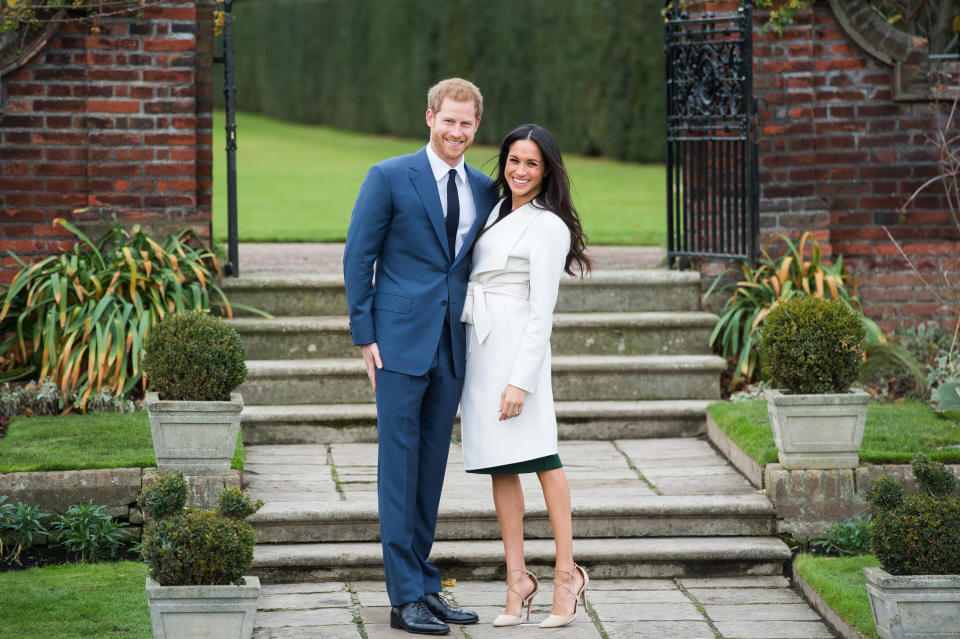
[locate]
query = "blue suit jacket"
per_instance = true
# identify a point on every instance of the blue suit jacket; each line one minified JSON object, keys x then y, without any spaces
{"x":398,"y":224}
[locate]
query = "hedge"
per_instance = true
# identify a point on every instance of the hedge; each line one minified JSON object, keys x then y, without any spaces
{"x":591,"y":71}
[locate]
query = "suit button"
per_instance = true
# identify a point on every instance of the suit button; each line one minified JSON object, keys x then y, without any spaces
{"x":443,"y":303}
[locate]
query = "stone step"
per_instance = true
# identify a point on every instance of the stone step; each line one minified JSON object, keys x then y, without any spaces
{"x":653,"y":516}
{"x":483,"y":559}
{"x":599,"y":420}
{"x":575,"y":377}
{"x":648,"y":333}
{"x":602,"y":291}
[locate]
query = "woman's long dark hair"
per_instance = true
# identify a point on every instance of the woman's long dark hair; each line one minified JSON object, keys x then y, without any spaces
{"x":554,"y":192}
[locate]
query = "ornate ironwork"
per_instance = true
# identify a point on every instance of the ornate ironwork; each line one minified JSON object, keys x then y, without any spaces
{"x":712,"y":190}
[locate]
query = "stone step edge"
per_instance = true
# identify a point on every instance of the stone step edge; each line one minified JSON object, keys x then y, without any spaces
{"x":644,"y":277}
{"x":561,"y":321}
{"x":645,"y":549}
{"x":321,"y":413}
{"x":753,"y":506}
{"x":561,"y":364}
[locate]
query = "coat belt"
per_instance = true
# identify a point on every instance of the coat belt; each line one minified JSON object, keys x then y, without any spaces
{"x":475,"y":305}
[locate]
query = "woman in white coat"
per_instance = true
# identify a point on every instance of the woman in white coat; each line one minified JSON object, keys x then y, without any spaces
{"x":531,"y":238}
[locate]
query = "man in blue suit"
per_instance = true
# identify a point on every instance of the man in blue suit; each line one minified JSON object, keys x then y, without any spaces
{"x":416,"y":218}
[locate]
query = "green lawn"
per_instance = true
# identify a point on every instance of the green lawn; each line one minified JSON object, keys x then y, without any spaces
{"x":297,"y":183}
{"x":893,"y":435}
{"x":839,"y":580}
{"x":77,"y":442}
{"x":105,"y":601}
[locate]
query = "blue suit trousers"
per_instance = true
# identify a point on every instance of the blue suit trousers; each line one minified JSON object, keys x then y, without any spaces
{"x":415,"y":416}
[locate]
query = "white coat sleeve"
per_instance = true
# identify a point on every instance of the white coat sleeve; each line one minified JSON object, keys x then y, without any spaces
{"x":549,"y":245}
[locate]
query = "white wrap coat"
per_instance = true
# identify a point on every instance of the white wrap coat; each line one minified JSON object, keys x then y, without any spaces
{"x":517,"y":266}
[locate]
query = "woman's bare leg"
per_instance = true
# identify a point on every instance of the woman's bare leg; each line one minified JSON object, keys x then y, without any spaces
{"x":508,"y":500}
{"x":556,"y":493}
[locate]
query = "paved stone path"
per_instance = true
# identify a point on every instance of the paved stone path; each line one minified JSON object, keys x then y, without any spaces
{"x":718,"y":608}
{"x":598,"y":470}
{"x":622,"y":470}
{"x":328,"y":257}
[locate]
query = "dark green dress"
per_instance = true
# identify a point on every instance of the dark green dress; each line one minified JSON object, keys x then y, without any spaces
{"x":550,"y":462}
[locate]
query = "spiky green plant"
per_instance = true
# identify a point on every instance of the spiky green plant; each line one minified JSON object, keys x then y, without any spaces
{"x":80,"y":318}
{"x":797,"y":272}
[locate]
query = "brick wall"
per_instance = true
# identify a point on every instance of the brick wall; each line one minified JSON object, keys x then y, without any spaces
{"x":839,"y":155}
{"x":113,"y":123}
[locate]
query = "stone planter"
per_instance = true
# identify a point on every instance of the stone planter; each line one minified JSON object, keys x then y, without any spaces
{"x":203,"y":612}
{"x":198,"y":438}
{"x":818,"y":431}
{"x":914,"y":606}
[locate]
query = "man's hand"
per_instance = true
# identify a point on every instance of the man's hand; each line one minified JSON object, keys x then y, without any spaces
{"x":371,"y":357}
{"x":511,"y":402}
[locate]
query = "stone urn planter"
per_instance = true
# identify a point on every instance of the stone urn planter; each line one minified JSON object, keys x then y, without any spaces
{"x":916,"y":593}
{"x":818,"y":431}
{"x":812,"y":350}
{"x":914,"y":606}
{"x":198,"y":558}
{"x":194,"y":362}
{"x":203,"y":612}
{"x":197,"y":438}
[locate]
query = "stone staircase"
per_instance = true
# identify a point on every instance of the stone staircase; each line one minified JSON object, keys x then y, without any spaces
{"x":632,"y":376}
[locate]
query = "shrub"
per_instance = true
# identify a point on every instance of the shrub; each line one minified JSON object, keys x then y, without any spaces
{"x":194,"y":357}
{"x":87,"y":530}
{"x":771,"y":282}
{"x":917,"y":534}
{"x":165,"y":496}
{"x":19,"y":525}
{"x":235,"y":504}
{"x":847,"y":538}
{"x":197,"y":547}
{"x":80,"y":318}
{"x":812,"y":345}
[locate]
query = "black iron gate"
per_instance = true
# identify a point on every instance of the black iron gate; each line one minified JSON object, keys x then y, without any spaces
{"x":712,"y":192}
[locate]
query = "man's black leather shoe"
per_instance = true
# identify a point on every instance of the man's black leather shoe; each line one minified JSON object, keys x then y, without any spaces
{"x":415,"y":617}
{"x":445,"y":612}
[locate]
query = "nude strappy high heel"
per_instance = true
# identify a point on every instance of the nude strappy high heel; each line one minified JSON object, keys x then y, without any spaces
{"x":556,"y":621}
{"x":515,"y":620}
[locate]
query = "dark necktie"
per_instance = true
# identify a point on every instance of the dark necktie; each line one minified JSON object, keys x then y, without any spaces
{"x":453,"y":212}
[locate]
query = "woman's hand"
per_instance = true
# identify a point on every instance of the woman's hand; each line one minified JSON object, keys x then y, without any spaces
{"x":511,"y":402}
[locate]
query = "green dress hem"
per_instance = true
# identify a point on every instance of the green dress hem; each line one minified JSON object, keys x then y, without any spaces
{"x":550,"y":462}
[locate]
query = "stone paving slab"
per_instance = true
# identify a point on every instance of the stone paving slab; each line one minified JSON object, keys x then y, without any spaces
{"x":741,"y":608}
{"x":597,"y":470}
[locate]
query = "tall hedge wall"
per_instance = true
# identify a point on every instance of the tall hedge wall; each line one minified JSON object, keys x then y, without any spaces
{"x":591,"y":71}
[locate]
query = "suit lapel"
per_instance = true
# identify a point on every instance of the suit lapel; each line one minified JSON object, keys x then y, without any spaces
{"x":478,"y":186}
{"x":426,"y":187}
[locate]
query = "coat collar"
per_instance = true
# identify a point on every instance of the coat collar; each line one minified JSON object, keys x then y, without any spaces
{"x":499,"y":240}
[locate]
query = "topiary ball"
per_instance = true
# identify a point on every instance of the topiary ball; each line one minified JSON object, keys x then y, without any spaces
{"x":194,"y":357}
{"x":812,"y":345}
{"x":166,"y":495}
{"x":198,"y":548}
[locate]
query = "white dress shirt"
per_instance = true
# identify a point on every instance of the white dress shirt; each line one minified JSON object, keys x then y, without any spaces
{"x":468,"y":208}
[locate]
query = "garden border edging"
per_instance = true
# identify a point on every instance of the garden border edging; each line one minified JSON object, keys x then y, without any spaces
{"x":824,"y":609}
